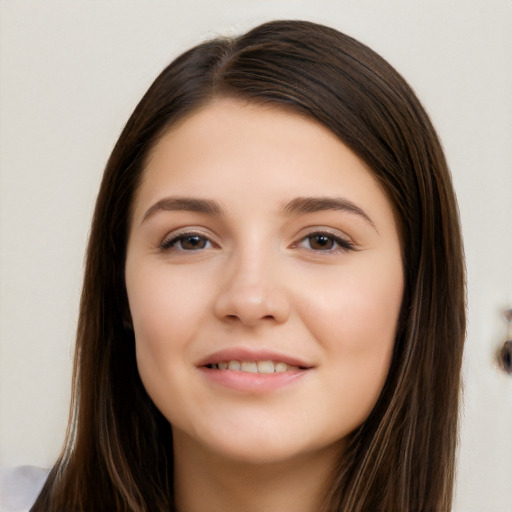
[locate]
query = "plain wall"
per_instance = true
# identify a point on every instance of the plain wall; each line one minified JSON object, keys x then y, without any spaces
{"x":72,"y":72}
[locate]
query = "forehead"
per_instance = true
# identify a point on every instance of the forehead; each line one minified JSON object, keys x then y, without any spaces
{"x":252,"y":152}
{"x":234,"y":127}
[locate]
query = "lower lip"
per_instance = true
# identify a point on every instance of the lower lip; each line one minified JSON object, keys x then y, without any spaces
{"x":252,"y":382}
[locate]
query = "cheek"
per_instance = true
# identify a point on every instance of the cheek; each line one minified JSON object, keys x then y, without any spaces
{"x":164,"y":306}
{"x":165,"y":319}
{"x":356,"y":310}
{"x":355,"y":321}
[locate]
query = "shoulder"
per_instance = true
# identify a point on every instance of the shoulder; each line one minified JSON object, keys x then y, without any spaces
{"x":20,"y":486}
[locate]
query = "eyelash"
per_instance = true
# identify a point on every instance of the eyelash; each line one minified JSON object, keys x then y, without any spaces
{"x":170,"y":243}
{"x":340,"y":244}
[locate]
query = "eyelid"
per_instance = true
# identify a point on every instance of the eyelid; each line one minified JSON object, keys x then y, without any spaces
{"x":171,"y":238}
{"x":343,"y":242}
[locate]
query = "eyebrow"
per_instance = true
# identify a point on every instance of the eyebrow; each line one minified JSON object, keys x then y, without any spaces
{"x":297,"y":206}
{"x":302,"y":205}
{"x":185,"y":204}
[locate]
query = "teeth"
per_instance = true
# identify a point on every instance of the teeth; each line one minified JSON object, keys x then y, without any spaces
{"x":264,"y":367}
{"x":234,"y":365}
{"x":249,"y":366}
{"x":281,"y":367}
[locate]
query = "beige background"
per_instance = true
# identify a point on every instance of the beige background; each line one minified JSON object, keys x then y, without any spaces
{"x":71,"y":73}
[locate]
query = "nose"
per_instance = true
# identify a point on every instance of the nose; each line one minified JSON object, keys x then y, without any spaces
{"x":252,"y":294}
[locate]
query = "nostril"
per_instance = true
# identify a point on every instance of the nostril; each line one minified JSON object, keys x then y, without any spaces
{"x":251,"y":305}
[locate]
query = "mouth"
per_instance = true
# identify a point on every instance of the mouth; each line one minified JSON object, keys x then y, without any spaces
{"x":252,"y":371}
{"x":266,"y":367}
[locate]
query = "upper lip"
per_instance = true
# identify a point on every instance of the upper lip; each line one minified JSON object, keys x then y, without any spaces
{"x":250,"y":354}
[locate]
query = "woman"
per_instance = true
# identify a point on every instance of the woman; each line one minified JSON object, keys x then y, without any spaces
{"x":273,"y":306}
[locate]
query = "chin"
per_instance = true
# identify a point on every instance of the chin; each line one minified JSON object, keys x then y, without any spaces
{"x":262,"y":444}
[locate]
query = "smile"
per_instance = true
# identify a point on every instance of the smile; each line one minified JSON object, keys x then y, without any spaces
{"x":263,"y":367}
{"x":252,"y":371}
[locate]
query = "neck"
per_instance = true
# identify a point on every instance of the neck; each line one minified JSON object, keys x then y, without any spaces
{"x":208,"y":481}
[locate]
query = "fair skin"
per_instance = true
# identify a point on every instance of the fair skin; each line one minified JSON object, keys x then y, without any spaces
{"x":264,"y":279}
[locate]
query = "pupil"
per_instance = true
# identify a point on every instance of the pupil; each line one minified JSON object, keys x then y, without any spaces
{"x":321,"y":242}
{"x":193,"y":242}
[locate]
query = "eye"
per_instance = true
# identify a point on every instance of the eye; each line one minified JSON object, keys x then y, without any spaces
{"x":325,"y":242}
{"x":186,"y":242}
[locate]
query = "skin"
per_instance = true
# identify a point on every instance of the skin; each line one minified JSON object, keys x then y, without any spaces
{"x":254,"y":275}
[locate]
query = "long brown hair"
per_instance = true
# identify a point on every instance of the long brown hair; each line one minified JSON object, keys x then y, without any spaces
{"x":118,"y":452}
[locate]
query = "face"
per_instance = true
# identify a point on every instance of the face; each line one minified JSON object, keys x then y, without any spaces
{"x":264,"y":279}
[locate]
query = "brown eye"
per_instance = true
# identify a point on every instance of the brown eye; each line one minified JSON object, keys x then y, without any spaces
{"x":192,"y":243}
{"x":324,"y":242}
{"x":321,"y":242}
{"x":187,"y":242}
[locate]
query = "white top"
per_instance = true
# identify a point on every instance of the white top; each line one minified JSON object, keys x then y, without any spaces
{"x":20,"y":486}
